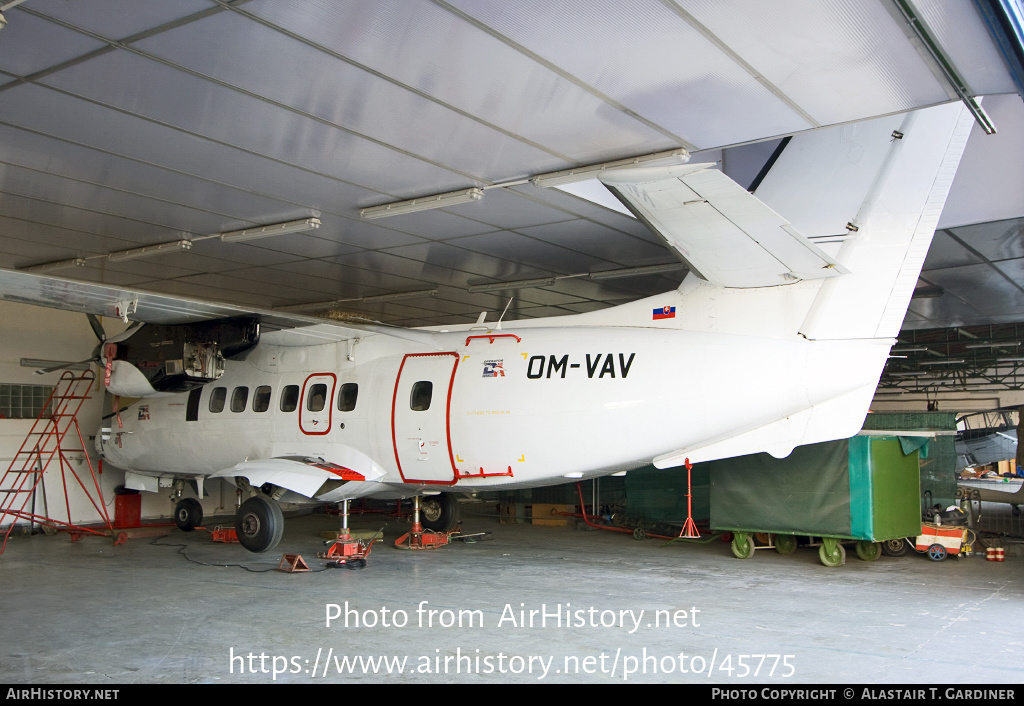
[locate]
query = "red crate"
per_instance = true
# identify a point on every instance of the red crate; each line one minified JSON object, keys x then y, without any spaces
{"x":128,"y":510}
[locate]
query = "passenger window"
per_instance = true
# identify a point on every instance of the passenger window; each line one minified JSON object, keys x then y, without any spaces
{"x":317,"y":397}
{"x":238,"y":399}
{"x":347,"y":397}
{"x":289,"y":398}
{"x":217,"y":398}
{"x":419,"y":398}
{"x":261,"y":399}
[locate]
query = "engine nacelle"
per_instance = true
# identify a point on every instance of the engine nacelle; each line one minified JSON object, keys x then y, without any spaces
{"x":167,"y":359}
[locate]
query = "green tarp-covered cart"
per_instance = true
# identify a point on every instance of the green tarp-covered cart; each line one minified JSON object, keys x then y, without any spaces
{"x":866,"y":489}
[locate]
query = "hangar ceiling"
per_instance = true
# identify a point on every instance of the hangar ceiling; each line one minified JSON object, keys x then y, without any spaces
{"x":126,"y":124}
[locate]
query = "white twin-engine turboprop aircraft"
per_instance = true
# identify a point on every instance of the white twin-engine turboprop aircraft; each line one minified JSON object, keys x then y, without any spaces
{"x":775,"y":338}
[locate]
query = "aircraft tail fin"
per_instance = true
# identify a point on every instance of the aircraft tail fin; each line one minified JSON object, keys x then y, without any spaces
{"x":875,"y":190}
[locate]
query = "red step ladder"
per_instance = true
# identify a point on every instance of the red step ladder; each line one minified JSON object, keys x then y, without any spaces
{"x":54,"y":435}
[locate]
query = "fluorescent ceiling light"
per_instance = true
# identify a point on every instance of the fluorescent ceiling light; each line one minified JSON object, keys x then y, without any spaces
{"x":305,"y":224}
{"x":452,"y":198}
{"x":400,"y":295}
{"x":909,"y":375}
{"x":48,"y":364}
{"x":636,"y":271}
{"x":150,"y":250}
{"x":993,"y":344}
{"x":950,"y":361}
{"x":1010,"y":360}
{"x":568,"y":176}
{"x":909,"y":349}
{"x":376,"y":298}
{"x":520,"y":284}
{"x":49,"y":266}
{"x":929,"y":292}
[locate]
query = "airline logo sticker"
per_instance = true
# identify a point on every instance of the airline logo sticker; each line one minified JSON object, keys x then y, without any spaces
{"x":494,"y":368}
{"x":665,"y":312}
{"x":143,"y":413}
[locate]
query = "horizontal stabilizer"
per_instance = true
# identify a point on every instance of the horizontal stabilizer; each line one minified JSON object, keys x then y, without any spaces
{"x":723,"y":233}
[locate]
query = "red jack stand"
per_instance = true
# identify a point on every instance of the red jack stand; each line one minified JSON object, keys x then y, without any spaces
{"x":689,"y":530}
{"x":224,"y":535}
{"x":345,"y":550}
{"x":416,"y":538}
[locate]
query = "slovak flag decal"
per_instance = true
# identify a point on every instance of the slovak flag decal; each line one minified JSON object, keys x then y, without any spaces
{"x":666,"y":312}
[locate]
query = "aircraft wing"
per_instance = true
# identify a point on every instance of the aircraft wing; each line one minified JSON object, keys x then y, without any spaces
{"x":278,"y":328}
{"x":720,"y":230}
{"x":305,"y":475}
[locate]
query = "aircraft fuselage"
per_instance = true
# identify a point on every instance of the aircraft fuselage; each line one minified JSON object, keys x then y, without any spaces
{"x":513,"y":407}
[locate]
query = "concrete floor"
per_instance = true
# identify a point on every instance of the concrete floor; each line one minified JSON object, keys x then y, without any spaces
{"x":180,"y":609}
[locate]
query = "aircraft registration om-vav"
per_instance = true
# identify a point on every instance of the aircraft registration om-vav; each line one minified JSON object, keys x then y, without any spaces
{"x":775,"y":338}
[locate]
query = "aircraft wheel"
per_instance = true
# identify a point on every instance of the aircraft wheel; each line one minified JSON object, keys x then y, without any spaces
{"x":437,"y":512}
{"x":895,"y":547}
{"x":259,"y":524}
{"x":188,"y":514}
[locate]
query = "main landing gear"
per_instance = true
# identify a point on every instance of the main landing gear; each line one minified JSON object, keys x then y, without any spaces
{"x":188,"y":514}
{"x":259,"y":523}
{"x":433,"y":519}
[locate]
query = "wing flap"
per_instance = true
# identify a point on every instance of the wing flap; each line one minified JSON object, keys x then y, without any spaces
{"x":724,"y":233}
{"x":305,"y":475}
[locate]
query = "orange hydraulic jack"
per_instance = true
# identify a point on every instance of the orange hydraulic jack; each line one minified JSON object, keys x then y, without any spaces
{"x":417,"y":538}
{"x":345,"y":550}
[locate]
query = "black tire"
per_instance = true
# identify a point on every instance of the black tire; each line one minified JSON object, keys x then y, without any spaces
{"x":895,"y":547}
{"x":188,"y":514}
{"x":259,"y":524}
{"x":438,"y":512}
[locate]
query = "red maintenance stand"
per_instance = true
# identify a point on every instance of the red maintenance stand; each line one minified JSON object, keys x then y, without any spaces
{"x":346,"y":550}
{"x":417,"y":538}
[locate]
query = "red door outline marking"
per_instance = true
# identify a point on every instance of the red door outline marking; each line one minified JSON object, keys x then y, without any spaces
{"x":447,"y":419}
{"x":328,"y":404}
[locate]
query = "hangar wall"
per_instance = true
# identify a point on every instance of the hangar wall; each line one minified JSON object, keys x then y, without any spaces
{"x":40,"y":333}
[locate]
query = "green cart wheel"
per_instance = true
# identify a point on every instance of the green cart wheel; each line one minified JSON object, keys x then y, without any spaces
{"x":869,"y":551}
{"x":742,"y":545}
{"x":834,"y":555}
{"x":785,"y":544}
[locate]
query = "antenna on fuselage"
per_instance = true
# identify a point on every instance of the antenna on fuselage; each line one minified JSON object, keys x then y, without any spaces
{"x":498,"y":325}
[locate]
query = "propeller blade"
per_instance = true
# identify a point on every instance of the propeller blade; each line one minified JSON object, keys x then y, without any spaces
{"x":97,"y":327}
{"x":65,"y":364}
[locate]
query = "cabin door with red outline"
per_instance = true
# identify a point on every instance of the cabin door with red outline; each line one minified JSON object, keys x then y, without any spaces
{"x":315,"y":405}
{"x":419,"y":418}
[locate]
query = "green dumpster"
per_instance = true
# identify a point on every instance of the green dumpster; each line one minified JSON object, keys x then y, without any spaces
{"x":866,"y":488}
